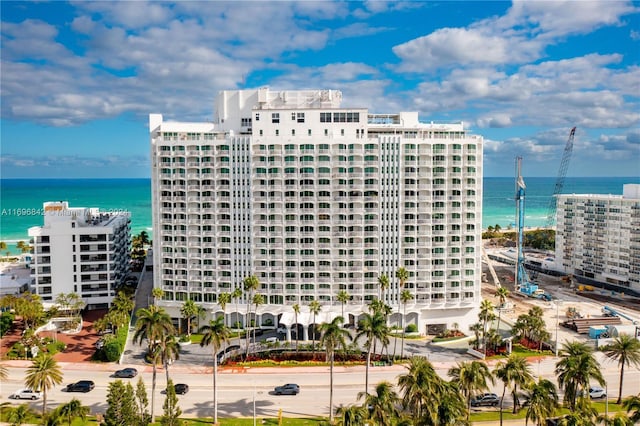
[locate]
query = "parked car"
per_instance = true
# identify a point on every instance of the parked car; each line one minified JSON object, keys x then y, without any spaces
{"x":485,"y":399}
{"x":126,"y":373}
{"x":271,"y":340}
{"x":26,"y":394}
{"x":180,"y":388}
{"x":81,"y":386}
{"x":288,"y":389}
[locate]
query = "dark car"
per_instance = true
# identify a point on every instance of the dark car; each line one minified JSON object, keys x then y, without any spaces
{"x":181,"y":388}
{"x":126,"y":373}
{"x":485,"y":399}
{"x":288,"y":389}
{"x":81,"y":386}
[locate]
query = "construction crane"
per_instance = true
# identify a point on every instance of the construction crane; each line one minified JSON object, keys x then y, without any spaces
{"x":562,"y":173}
{"x":522,"y":283}
{"x":496,"y":281}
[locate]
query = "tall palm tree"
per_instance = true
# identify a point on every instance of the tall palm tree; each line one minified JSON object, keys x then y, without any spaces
{"x":189,"y":310}
{"x":626,"y":350}
{"x":73,"y":409}
{"x":314,"y":308}
{"x":250,"y":284}
{"x":575,"y":370}
{"x":405,"y":297}
{"x":383,"y":284}
{"x":257,"y":301}
{"x":382,"y":405}
{"x":419,"y":387}
{"x":485,"y":315}
{"x":236,"y":294}
{"x":501,"y":293}
{"x":296,"y":312}
{"x":169,"y":351}
{"x":333,"y":336}
{"x":151,"y":325}
{"x":223,"y":300}
{"x":343,"y":297}
{"x":402,"y":275}
{"x":513,"y":373}
{"x":215,"y":334}
{"x":470,"y":377}
{"x":542,"y":401}
{"x":372,"y":327}
{"x":43,"y":374}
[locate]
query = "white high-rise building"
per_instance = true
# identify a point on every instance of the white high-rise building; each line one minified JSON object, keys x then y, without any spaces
{"x":80,"y":250}
{"x":312,"y":199}
{"x":598,"y":237}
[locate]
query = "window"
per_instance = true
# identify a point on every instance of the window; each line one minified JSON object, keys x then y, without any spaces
{"x":275,"y":117}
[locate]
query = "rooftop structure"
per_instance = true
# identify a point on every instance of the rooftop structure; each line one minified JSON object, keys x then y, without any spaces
{"x":80,"y":250}
{"x":312,"y":199}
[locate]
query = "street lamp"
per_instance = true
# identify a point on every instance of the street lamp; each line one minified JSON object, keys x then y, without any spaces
{"x":558,"y":301}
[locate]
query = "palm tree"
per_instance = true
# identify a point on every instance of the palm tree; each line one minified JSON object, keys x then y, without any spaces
{"x":4,"y":372}
{"x":485,"y":315}
{"x":633,"y":404}
{"x":575,"y":370}
{"x":351,"y":415}
{"x":151,"y":325}
{"x":19,"y":415}
{"x":405,"y":297}
{"x":333,"y":336}
{"x":372,"y":328}
{"x":314,"y":307}
{"x":73,"y":409}
{"x":169,"y":351}
{"x":236,"y":294}
{"x":296,"y":312}
{"x":223,"y":300}
{"x":419,"y":387}
{"x":383,"y":284}
{"x":513,"y":373}
{"x":542,"y":401}
{"x":470,"y":377}
{"x":501,"y":293}
{"x":188,"y":310}
{"x":215,"y":334}
{"x":343,"y":297}
{"x":43,"y":374}
{"x":626,"y":350}
{"x":382,"y":405}
{"x":157,"y":294}
{"x":402,"y":275}
{"x":250,"y":284}
{"x":257,"y":301}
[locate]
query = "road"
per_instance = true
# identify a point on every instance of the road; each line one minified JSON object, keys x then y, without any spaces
{"x":237,"y":390}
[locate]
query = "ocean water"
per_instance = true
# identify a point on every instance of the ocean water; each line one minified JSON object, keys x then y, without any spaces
{"x":21,"y":199}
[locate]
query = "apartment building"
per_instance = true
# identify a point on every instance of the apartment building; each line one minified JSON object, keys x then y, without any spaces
{"x":80,"y":250}
{"x":598,"y":238}
{"x":312,"y":199}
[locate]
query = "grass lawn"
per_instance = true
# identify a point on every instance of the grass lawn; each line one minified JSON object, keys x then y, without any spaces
{"x":487,"y":416}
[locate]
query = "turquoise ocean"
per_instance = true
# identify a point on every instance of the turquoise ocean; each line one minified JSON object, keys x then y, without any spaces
{"x":21,"y":199}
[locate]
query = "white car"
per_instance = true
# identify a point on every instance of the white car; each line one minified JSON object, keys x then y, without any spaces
{"x":26,"y":394}
{"x":596,"y":392}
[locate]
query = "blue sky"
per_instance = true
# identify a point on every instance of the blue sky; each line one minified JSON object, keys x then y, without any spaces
{"x":78,"y":79}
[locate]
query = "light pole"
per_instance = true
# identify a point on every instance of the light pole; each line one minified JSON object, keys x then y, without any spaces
{"x":558,"y":301}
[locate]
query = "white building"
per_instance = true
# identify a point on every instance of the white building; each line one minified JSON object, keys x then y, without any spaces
{"x":312,"y":199}
{"x":598,"y":237}
{"x":80,"y":250}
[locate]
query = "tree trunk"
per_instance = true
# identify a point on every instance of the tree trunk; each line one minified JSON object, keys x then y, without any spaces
{"x":44,"y":402}
{"x":504,"y":392}
{"x":402,"y":344}
{"x":331,"y":390}
{"x":215,"y":388}
{"x":620,"y":389}
{"x":366,"y":373}
{"x":153,"y":390}
{"x":515,"y":399}
{"x":246,"y":330}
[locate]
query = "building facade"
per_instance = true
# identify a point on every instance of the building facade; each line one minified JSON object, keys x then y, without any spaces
{"x":598,"y":237}
{"x":80,"y":250}
{"x":312,"y":199}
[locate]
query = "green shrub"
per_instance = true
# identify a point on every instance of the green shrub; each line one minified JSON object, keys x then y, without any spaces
{"x":112,"y":350}
{"x":6,"y":321}
{"x":411,"y":328}
{"x":237,"y":325}
{"x":267,"y":322}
